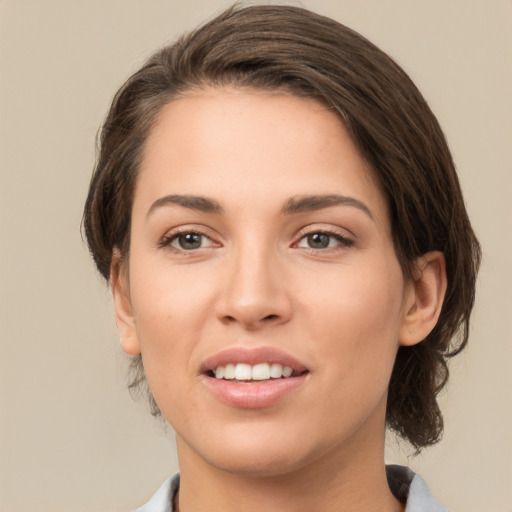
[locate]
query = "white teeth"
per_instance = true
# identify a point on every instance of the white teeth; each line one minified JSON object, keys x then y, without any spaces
{"x":276,"y":370}
{"x":287,"y":371}
{"x":243,"y":372}
{"x":260,"y":371}
{"x":229,"y":371}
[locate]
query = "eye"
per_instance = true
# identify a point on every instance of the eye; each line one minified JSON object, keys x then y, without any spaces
{"x":187,"y":241}
{"x":323,"y":240}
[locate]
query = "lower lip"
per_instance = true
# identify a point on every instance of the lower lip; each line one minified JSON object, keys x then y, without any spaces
{"x":255,"y":394}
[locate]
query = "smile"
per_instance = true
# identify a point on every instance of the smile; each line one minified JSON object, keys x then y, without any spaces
{"x":253,"y":378}
{"x":258,"y":372}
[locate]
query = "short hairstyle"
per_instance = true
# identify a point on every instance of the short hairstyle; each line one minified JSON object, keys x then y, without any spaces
{"x":292,"y":49}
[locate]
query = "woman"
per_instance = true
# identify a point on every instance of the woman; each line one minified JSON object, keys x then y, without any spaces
{"x":278,"y":215}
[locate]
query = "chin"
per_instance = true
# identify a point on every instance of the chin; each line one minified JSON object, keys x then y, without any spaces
{"x":257,"y":452}
{"x":261,"y":466}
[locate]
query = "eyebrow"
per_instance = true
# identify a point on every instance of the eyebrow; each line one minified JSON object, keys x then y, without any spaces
{"x":202,"y":204}
{"x":292,"y":206}
{"x":317,"y":202}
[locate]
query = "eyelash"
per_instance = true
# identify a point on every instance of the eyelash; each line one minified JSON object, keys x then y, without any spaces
{"x":343,"y":241}
{"x":167,"y":240}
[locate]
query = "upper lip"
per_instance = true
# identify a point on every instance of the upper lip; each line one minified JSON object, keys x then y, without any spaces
{"x":252,"y":356}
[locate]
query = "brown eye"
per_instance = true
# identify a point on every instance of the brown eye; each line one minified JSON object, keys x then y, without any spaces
{"x":190,"y":241}
{"x":318,"y":240}
{"x":187,"y":241}
{"x":183,"y":241}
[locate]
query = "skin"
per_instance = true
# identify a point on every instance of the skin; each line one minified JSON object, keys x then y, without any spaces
{"x":255,"y":281}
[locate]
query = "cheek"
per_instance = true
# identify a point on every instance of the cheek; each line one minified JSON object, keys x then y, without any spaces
{"x":165,"y":298}
{"x":361,"y":318}
{"x":169,"y":310}
{"x":168,"y":315}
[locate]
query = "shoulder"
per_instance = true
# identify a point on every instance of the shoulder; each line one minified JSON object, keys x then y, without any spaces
{"x":163,"y":499}
{"x":411,"y":489}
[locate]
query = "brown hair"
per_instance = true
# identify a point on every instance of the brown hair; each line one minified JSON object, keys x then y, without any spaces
{"x":281,"y":47}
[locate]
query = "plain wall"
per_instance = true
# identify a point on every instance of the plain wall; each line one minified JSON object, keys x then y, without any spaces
{"x":71,"y":439}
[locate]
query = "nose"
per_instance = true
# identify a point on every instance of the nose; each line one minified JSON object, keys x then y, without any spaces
{"x":255,"y":292}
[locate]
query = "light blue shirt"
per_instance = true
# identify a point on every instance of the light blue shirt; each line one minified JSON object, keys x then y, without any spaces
{"x":407,"y":486}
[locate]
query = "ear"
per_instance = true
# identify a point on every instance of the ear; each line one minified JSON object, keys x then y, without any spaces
{"x":424,"y":300}
{"x":119,"y":285}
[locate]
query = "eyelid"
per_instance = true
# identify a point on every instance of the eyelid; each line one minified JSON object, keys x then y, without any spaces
{"x":171,"y":235}
{"x":343,"y":235}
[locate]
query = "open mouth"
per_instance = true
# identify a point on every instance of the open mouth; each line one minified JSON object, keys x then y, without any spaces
{"x":253,"y":378}
{"x":246,"y":373}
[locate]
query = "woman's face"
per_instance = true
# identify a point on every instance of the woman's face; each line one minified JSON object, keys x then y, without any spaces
{"x":260,"y":241}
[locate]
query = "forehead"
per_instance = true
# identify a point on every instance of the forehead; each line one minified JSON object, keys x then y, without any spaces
{"x":244,"y":143}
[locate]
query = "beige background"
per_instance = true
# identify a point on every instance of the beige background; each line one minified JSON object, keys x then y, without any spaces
{"x":71,"y":439}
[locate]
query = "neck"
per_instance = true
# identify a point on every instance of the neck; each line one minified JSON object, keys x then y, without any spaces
{"x":337,"y":481}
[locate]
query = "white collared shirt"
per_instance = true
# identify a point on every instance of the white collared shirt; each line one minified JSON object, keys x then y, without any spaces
{"x":407,"y":486}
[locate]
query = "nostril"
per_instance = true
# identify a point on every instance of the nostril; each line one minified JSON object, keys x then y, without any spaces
{"x":270,"y":317}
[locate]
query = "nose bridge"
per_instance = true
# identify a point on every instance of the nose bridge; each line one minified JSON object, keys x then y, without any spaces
{"x":255,"y":291}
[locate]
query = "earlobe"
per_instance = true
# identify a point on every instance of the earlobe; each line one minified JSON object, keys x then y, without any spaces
{"x":130,"y":346}
{"x":122,"y":306}
{"x":425,"y":299}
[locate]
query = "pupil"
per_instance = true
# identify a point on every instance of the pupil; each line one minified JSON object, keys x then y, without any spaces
{"x":318,"y":240}
{"x":190,"y":241}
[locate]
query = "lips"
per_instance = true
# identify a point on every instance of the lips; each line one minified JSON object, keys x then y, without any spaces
{"x":253,"y":378}
{"x":252,"y":357}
